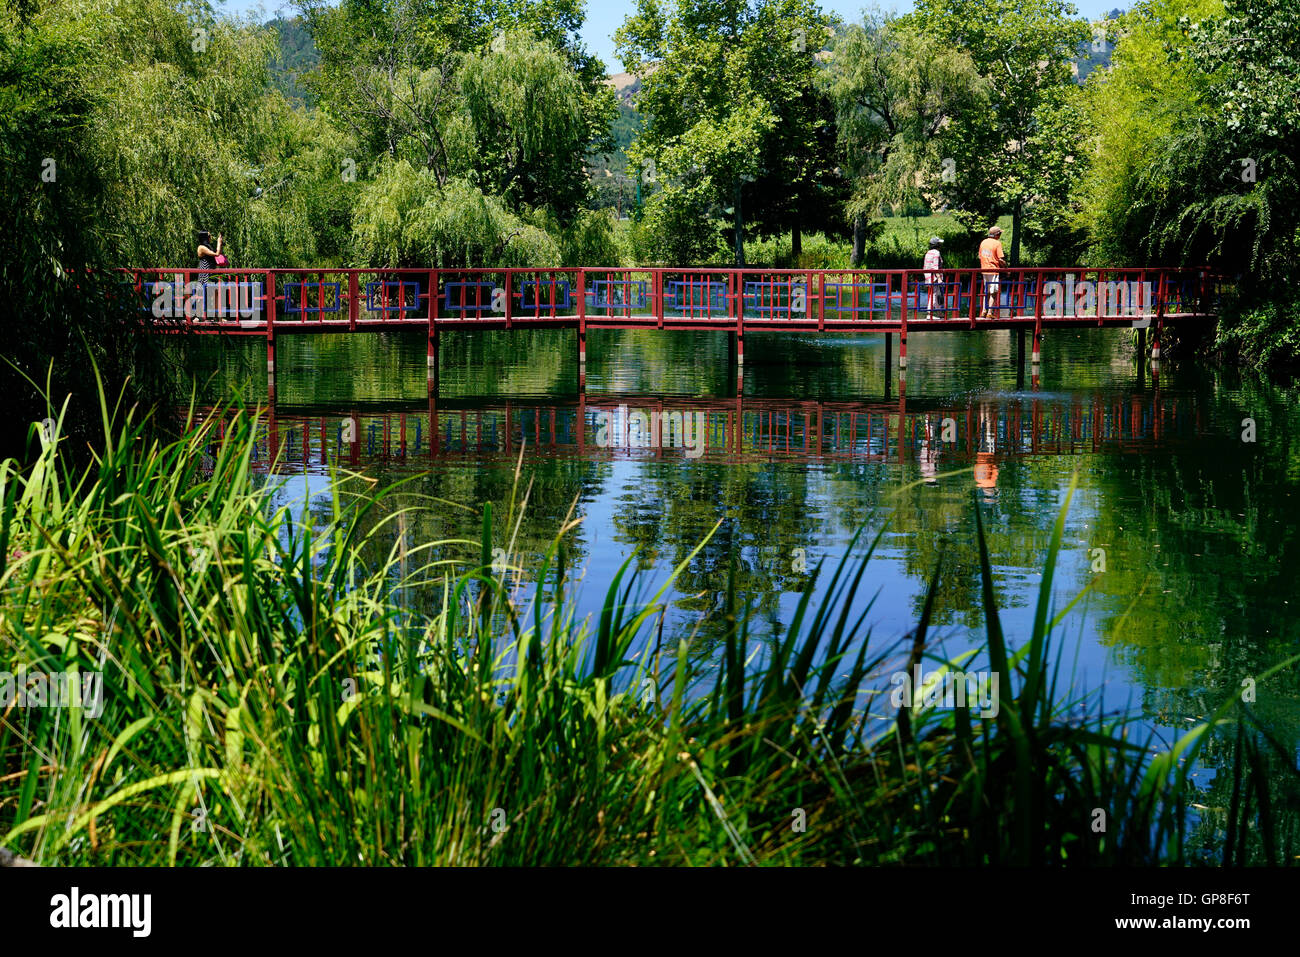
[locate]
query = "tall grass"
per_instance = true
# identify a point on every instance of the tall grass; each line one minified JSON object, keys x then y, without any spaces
{"x":270,"y":701}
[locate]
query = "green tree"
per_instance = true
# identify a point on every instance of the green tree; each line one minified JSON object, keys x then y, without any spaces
{"x":503,"y":93}
{"x":895,"y":88}
{"x":124,"y":126}
{"x":405,"y":218}
{"x":526,"y":109}
{"x":1224,"y":186}
{"x":1151,"y":90}
{"x":1023,"y":49}
{"x":728,"y":95}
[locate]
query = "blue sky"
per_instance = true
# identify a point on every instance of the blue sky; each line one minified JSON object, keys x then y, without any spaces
{"x":605,"y":16}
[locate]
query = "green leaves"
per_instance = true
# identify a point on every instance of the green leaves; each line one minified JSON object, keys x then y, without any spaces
{"x":723,"y":90}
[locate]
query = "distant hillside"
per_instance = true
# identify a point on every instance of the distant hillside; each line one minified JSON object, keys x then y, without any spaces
{"x":1090,"y":59}
{"x":298,"y":55}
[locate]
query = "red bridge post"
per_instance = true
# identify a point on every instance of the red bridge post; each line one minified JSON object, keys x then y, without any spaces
{"x":582,"y":329}
{"x":1035,"y":355}
{"x":432,"y":356}
{"x":1161,"y":294}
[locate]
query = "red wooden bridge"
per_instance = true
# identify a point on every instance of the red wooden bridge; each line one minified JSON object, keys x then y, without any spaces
{"x":272,"y":302}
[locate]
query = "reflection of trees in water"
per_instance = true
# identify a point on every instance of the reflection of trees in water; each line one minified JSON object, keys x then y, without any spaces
{"x":448,"y":504}
{"x":1200,"y":589}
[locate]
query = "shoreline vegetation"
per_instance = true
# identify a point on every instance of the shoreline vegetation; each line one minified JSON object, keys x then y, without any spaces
{"x":270,"y":700}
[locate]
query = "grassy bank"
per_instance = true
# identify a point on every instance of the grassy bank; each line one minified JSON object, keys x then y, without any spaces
{"x":270,"y":701}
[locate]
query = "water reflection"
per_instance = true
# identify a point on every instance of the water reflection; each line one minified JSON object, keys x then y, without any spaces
{"x":1180,"y":540}
{"x":934,"y":433}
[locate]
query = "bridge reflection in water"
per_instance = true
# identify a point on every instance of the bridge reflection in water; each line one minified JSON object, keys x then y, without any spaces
{"x":981,"y":430}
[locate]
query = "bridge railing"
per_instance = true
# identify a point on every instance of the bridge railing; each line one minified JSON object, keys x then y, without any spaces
{"x":681,"y":298}
{"x":182,"y":297}
{"x":623,"y":294}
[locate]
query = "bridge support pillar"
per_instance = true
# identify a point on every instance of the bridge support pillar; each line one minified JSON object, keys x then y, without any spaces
{"x":1035,"y":356}
{"x":1142,"y":346}
{"x":889,"y":360}
{"x":1020,"y":347}
{"x":902,"y":351}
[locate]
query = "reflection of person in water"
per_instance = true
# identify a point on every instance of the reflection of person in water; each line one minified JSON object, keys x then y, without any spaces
{"x":929,"y":457}
{"x":986,"y":468}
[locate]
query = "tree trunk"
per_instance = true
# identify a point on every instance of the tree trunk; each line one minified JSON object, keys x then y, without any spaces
{"x":1015,"y":234}
{"x":796,"y":243}
{"x":859,"y":241}
{"x":740,"y":229}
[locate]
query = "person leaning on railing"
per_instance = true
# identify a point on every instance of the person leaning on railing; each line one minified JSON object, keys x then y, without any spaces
{"x":992,"y":259}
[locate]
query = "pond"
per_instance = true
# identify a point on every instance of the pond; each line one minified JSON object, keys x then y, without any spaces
{"x":1179,"y":539}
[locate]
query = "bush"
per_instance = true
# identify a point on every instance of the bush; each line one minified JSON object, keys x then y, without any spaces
{"x":593,"y":239}
{"x":1261,"y":329}
{"x":819,"y":252}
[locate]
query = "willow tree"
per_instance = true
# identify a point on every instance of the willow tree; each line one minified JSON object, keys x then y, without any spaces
{"x":405,"y":218}
{"x":412,"y":79}
{"x":526,"y":111}
{"x":123,"y":127}
{"x":895,"y":88}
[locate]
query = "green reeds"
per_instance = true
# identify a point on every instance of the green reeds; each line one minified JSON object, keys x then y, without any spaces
{"x":270,"y":700}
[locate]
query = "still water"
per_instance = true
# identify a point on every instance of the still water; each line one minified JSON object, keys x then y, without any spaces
{"x":1179,"y":536}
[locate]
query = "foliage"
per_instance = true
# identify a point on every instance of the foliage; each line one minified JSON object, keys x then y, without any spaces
{"x":404,"y":218}
{"x":499,"y":93}
{"x":1223,"y":188}
{"x":1261,"y":330}
{"x":677,"y":227}
{"x":1133,"y":108}
{"x":298,"y":55}
{"x":895,"y":88}
{"x":1196,"y":159}
{"x":728,"y":95}
{"x":526,"y":110}
{"x":1001,"y":161}
{"x":59,"y":305}
{"x":593,"y":239}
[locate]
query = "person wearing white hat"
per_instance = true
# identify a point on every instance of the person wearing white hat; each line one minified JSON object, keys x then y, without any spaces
{"x":933,"y":277}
